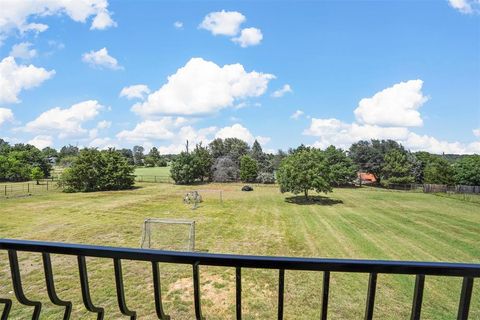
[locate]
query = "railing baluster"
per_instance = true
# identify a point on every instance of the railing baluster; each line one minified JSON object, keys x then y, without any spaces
{"x":6,"y":309}
{"x":238,"y":287}
{"x":465,"y":297}
{"x":117,"y":264}
{"x":87,"y":300}
{"x":196,"y":292}
{"x":17,"y":285}
{"x":158,"y":292}
{"x":372,"y":287}
{"x":281,"y":289}
{"x":418,"y":297}
{"x":325,"y":292}
{"x":52,"y":294}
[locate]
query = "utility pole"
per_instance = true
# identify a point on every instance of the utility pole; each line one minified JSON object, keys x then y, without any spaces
{"x":187,"y":146}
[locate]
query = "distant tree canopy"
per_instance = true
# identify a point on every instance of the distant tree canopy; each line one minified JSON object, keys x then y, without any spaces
{"x":185,"y":168}
{"x":94,"y":170}
{"x":18,"y":161}
{"x":396,"y":168}
{"x":342,"y":169}
{"x":467,"y":170}
{"x":248,"y":169}
{"x":304,"y":170}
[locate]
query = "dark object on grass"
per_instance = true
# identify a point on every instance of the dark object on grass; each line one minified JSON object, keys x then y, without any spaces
{"x":247,"y":188}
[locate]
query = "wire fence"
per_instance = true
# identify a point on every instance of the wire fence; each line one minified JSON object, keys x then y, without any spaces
{"x":154,"y":179}
{"x":20,"y":189}
{"x":436,"y":188}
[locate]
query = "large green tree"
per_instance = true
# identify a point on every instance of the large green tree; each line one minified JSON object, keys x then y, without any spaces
{"x":305,"y":170}
{"x":203,"y":162}
{"x":248,"y":169}
{"x":342,"y":169}
{"x":396,"y":167}
{"x":467,"y":170}
{"x":185,"y":168}
{"x":94,"y":170}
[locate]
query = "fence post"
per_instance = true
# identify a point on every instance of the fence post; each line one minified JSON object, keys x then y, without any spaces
{"x":47,"y":185}
{"x":28,"y":187}
{"x":5,"y":190}
{"x":155,"y":177}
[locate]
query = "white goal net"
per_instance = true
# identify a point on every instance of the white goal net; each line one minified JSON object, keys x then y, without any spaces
{"x":168,"y":234}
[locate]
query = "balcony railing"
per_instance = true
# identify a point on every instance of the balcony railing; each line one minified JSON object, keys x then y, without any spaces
{"x":373,"y":267}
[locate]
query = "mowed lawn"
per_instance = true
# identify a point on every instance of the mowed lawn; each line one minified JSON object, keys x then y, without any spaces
{"x":351,"y":223}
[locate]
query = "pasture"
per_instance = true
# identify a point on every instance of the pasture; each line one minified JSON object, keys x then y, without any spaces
{"x":348,"y":223}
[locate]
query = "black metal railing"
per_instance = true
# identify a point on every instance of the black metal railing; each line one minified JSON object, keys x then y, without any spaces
{"x":373,"y":267}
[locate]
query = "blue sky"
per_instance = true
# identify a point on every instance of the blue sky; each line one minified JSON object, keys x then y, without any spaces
{"x":405,"y":70}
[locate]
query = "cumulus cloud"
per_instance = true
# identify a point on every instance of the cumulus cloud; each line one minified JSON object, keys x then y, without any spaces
{"x":5,"y":115}
{"x":23,"y":50}
{"x":476,"y":132}
{"x":104,"y":124}
{"x":41,"y":141}
{"x":102,"y":143}
{"x":202,"y":87}
{"x":394,"y":106}
{"x":15,"y":78}
{"x":249,"y":37}
{"x":147,"y":130}
{"x":402,"y":101}
{"x":281,"y":92}
{"x":136,"y":91}
{"x":178,"y":24}
{"x":223,"y":22}
{"x":240,"y":132}
{"x":297,"y":114}
{"x":465,"y":6}
{"x":18,"y":15}
{"x":66,"y":122}
{"x":101,"y":59}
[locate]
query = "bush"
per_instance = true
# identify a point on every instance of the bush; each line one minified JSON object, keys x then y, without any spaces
{"x":37,"y":174}
{"x":248,"y":169}
{"x":467,"y":170}
{"x":95,"y":170}
{"x":184,"y":169}
{"x":266,"y":177}
{"x":225,"y":170}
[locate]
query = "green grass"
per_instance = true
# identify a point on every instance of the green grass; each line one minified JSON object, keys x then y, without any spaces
{"x":352,"y":223}
{"x":155,"y":171}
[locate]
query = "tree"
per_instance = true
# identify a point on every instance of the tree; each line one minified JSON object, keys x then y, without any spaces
{"x":396,"y":167}
{"x":277,"y":159}
{"x":204,"y":162}
{"x":304,"y":170}
{"x":257,"y":154}
{"x":184,"y":169}
{"x":128,"y":154}
{"x":248,"y":169}
{"x":138,"y":155}
{"x":342,"y":169}
{"x":68,"y":151}
{"x":37,"y":174}
{"x":438,"y":170}
{"x":467,"y":170}
{"x":155,"y":156}
{"x":49,"y":153}
{"x":217,"y":148}
{"x":225,"y":170}
{"x":369,"y":155}
{"x":235,"y":149}
{"x":95,"y":170}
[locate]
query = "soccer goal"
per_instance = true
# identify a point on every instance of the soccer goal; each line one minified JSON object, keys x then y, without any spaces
{"x":168,"y":234}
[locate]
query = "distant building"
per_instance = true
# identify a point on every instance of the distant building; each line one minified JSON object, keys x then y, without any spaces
{"x":366,"y":178}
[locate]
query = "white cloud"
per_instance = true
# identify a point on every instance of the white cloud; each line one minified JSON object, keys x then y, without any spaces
{"x":15,"y":78}
{"x":102,"y":143}
{"x":161,"y":129}
{"x":465,"y":6}
{"x":136,"y":91}
{"x":178,"y":24}
{"x":223,"y":22}
{"x":66,"y":122}
{"x":405,"y":97}
{"x":394,"y":106}
{"x":240,"y":132}
{"x":476,"y":132}
{"x":281,"y":92}
{"x":101,"y":59}
{"x":202,"y":87}
{"x":297,"y":114}
{"x":23,"y":50}
{"x":104,"y":124}
{"x":17,"y":15}
{"x":41,"y":141}
{"x":5,"y":115}
{"x":249,"y":37}
{"x":102,"y":21}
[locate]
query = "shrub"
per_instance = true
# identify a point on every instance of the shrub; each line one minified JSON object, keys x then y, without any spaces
{"x":37,"y":174}
{"x":95,"y":170}
{"x":266,"y":177}
{"x":248,"y":169}
{"x":225,"y":170}
{"x":184,"y":169}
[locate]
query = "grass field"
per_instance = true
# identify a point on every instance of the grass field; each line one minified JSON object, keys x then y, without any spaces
{"x":155,"y":171}
{"x":353,"y":223}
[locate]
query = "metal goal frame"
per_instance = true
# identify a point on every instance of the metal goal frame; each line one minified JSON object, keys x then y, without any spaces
{"x":146,"y":232}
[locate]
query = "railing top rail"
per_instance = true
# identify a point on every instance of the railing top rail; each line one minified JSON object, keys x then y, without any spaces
{"x":246,"y":261}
